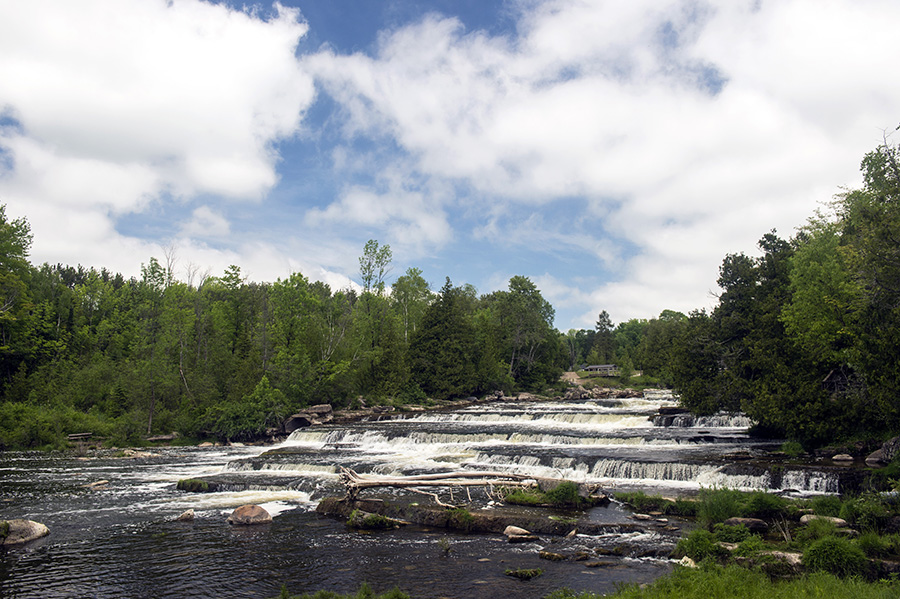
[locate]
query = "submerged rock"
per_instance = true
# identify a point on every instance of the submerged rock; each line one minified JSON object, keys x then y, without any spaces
{"x":18,"y":531}
{"x":249,"y":514}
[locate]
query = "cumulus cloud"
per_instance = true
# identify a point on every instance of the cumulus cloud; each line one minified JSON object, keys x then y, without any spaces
{"x":112,"y":105}
{"x":691,"y":128}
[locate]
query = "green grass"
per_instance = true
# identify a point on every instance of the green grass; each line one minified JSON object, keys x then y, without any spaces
{"x":734,"y":582}
{"x":365,"y":592}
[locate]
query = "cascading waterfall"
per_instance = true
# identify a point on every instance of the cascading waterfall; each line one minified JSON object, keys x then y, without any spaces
{"x":614,"y":443}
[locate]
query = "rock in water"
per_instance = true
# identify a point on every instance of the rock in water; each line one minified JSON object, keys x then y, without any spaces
{"x":752,"y":524}
{"x":515,"y":530}
{"x":249,"y":514}
{"x":186,"y":516}
{"x":16,"y":532}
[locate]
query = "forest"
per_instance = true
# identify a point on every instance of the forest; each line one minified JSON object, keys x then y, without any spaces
{"x":804,"y":338}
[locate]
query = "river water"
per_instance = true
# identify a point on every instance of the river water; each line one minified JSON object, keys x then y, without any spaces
{"x":121,"y":540}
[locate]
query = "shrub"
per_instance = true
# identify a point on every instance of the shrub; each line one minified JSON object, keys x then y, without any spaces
{"x":730,"y":534}
{"x":645,"y":503}
{"x":867,"y":512}
{"x":366,"y":521}
{"x":815,"y":530}
{"x":750,"y":546}
{"x":718,"y":505}
{"x":835,"y":555}
{"x":826,"y":505}
{"x":793,"y":449}
{"x":699,"y":545}
{"x":874,"y":545}
{"x":765,"y":505}
{"x":461,"y":519}
{"x":524,"y":497}
{"x":564,"y":494}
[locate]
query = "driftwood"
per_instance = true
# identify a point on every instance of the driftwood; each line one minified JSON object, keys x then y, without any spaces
{"x":355,"y":482}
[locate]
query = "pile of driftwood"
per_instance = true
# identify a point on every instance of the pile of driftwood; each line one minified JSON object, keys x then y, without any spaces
{"x":491,"y":481}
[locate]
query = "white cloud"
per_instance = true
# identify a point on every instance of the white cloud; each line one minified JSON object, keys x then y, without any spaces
{"x":121,"y":103}
{"x":205,"y":223}
{"x":691,"y":128}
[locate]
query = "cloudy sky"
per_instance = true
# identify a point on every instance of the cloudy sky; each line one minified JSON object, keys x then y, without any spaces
{"x":611,"y":151}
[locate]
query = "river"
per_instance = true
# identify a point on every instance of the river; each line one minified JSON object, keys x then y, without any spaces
{"x":121,"y":540}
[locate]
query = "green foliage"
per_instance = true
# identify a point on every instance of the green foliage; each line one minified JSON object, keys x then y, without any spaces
{"x":642,"y":502}
{"x":866,"y":512}
{"x":365,"y":592}
{"x":826,"y":505}
{"x":524,"y":497}
{"x":750,"y":546}
{"x":717,"y":505}
{"x":366,"y":521}
{"x":565,"y":494}
{"x":793,"y":449}
{"x":760,"y":504}
{"x":524,"y":573}
{"x":460,"y":519}
{"x":699,"y":545}
{"x":877,"y":546}
{"x":734,"y":582}
{"x":193,"y":485}
{"x":816,"y":530}
{"x":835,"y":555}
{"x":730,"y":534}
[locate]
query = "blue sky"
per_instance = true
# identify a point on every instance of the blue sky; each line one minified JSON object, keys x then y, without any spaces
{"x":612,"y":152}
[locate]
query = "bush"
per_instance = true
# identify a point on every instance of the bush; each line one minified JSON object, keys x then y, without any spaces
{"x":730,"y":534}
{"x":750,"y":546}
{"x":564,"y":494}
{"x":867,"y":512}
{"x":826,"y":505}
{"x":835,"y":555}
{"x":765,"y":505}
{"x":524,"y":497}
{"x":718,"y":505}
{"x":461,"y":519}
{"x":793,"y":449}
{"x":699,"y":545}
{"x":878,"y":546}
{"x":815,"y":530}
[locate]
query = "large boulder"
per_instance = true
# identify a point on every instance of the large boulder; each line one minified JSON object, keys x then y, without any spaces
{"x":752,"y":524}
{"x":319,"y":414}
{"x":885,"y":454}
{"x":839,"y":522}
{"x":18,"y":531}
{"x":249,"y":514}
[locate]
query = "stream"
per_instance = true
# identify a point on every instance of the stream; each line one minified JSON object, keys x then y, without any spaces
{"x":121,"y":540}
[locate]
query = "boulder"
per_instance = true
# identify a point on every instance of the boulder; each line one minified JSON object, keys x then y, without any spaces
{"x":839,"y":522}
{"x":842,"y":457}
{"x":18,"y":531}
{"x":249,"y":514}
{"x":551,"y":556}
{"x":186,"y":516}
{"x":752,"y":524}
{"x":515,"y":530}
{"x":884,"y":455}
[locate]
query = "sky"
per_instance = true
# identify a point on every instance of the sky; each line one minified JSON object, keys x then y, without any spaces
{"x":613,"y":152}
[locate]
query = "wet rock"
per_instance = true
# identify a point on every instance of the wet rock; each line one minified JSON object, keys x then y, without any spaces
{"x":522,"y":538}
{"x":96,"y":485}
{"x":186,"y":516}
{"x":572,"y":534}
{"x":553,"y":557}
{"x":18,"y":531}
{"x":248,"y":515}
{"x":515,"y":530}
{"x":206,"y":444}
{"x":752,"y":524}
{"x":601,"y":564}
{"x":838,"y":522}
{"x":643,"y":517}
{"x":842,"y":457}
{"x":885,"y":454}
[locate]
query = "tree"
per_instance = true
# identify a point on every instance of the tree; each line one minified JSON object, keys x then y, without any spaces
{"x":443,"y":352}
{"x":374,"y":265}
{"x":410,"y":295}
{"x":604,"y":349}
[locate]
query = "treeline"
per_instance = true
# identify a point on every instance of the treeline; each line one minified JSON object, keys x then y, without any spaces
{"x":805,"y":338}
{"x":86,"y":350}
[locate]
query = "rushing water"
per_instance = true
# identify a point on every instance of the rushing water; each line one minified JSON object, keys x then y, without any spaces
{"x":121,"y":540}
